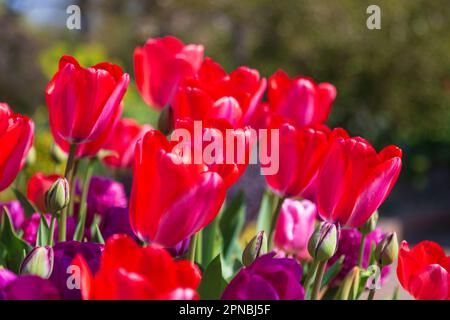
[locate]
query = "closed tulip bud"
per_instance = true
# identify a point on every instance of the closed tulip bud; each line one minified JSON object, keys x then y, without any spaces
{"x":255,"y":248}
{"x":370,"y":225}
{"x":38,"y":262}
{"x":57,"y":197}
{"x":387,"y":250}
{"x":323,"y":242}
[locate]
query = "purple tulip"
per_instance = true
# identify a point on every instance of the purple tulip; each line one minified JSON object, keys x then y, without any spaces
{"x":267,"y":278}
{"x":116,"y":220}
{"x":29,"y":287}
{"x":6,"y":277}
{"x":103,"y":193}
{"x":64,"y":253}
{"x":15,"y":211}
{"x":349,"y":243}
{"x":31,"y":226}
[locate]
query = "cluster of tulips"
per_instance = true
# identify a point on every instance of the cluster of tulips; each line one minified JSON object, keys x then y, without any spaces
{"x":74,"y":235}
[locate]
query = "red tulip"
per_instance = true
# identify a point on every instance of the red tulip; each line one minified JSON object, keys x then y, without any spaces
{"x":214,"y":94}
{"x":301,"y":151}
{"x":91,"y":148}
{"x":168,"y":188}
{"x":130,"y":272}
{"x":354,"y":180}
{"x":82,"y":101}
{"x":38,"y":185}
{"x":300,"y":99}
{"x":424,"y":271}
{"x":16,"y":139}
{"x":122,"y":143}
{"x":241,"y":140}
{"x":161,"y":65}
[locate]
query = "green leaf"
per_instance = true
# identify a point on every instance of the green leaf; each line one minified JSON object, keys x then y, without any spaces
{"x":211,"y":241}
{"x":14,"y":249}
{"x":213,"y":283}
{"x":43,"y":232}
{"x":333,"y":271}
{"x":265,"y":212}
{"x":97,"y":236}
{"x":231,"y":223}
{"x":27,"y":206}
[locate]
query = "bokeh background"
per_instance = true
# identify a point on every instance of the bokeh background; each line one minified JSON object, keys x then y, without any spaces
{"x":393,"y":84}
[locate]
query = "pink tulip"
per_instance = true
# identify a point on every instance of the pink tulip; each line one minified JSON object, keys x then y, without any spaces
{"x":294,"y":227}
{"x":161,"y":65}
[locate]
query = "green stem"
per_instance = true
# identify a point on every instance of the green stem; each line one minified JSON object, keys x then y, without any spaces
{"x":371,"y":294}
{"x":361,"y":249}
{"x":79,"y":232}
{"x":308,"y":280}
{"x":318,"y":280}
{"x":68,"y":174}
{"x":73,"y":190}
{"x":198,"y":247}
{"x":52,"y":229}
{"x":192,"y":246}
{"x":273,"y":223}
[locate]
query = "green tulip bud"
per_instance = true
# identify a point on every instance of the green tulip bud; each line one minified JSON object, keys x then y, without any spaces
{"x":387,"y":250}
{"x":255,"y":248}
{"x":38,"y":262}
{"x":323,"y":243}
{"x":58,"y":196}
{"x":370,"y":225}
